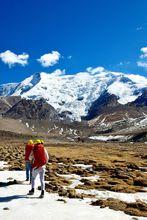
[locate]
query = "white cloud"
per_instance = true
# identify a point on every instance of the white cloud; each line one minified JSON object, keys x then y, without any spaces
{"x":11,"y":58}
{"x":142,"y":64}
{"x":143,"y":58}
{"x":144,"y":51}
{"x":49,"y":59}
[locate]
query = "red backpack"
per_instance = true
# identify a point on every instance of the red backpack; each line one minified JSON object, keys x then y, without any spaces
{"x":39,"y":156}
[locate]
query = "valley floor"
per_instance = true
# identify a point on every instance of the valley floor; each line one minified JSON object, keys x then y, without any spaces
{"x":19,"y":206}
{"x":83,"y":182}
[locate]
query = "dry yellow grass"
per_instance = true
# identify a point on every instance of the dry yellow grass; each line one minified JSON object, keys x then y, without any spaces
{"x":117,"y":165}
{"x":106,"y":153}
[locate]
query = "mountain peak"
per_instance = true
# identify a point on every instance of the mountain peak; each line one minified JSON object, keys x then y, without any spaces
{"x":76,"y":93}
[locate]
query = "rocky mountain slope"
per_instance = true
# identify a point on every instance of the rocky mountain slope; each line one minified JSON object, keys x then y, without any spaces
{"x":107,"y":114}
{"x":33,"y":110}
{"x":38,"y":117}
{"x":7,"y":102}
{"x":73,"y":95}
{"x":92,"y":102}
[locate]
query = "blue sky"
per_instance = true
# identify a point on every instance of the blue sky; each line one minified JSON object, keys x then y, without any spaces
{"x":108,"y":33}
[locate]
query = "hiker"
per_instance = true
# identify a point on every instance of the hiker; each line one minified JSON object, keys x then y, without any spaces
{"x":40,"y":158}
{"x":28,"y":149}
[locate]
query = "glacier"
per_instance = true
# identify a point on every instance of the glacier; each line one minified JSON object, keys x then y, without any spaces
{"x":75,"y":93}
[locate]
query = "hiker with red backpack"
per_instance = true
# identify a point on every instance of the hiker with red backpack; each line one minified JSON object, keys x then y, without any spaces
{"x":40,"y":158}
{"x":28,"y":149}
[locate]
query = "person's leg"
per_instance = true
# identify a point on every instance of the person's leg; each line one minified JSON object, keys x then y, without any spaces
{"x":34,"y":175}
{"x":41,"y":175}
{"x":27,"y":170}
{"x":30,"y":173}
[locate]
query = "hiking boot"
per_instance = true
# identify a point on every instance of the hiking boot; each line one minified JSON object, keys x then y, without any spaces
{"x":42,"y":194}
{"x":31,"y":192}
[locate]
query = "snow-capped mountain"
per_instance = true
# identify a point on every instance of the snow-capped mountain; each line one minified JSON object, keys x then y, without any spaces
{"x":75,"y":94}
{"x":7,"y":89}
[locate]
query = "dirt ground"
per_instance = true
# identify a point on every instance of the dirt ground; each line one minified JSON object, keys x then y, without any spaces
{"x":122,"y":167}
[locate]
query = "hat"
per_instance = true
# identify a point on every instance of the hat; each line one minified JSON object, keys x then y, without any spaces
{"x":37,"y":141}
{"x":30,"y":142}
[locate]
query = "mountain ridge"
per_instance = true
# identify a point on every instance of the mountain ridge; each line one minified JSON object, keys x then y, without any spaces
{"x":75,"y":94}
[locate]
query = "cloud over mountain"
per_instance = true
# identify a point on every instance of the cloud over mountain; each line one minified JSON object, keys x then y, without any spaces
{"x":143,"y":58}
{"x":49,"y":59}
{"x":12,"y":59}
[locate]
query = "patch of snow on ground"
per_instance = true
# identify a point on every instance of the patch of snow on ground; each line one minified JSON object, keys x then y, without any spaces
{"x":92,"y":178}
{"x":27,"y":125}
{"x":110,"y":137}
{"x":83,"y":166}
{"x":70,"y":139}
{"x":143,"y":122}
{"x":126,"y":197}
{"x":3,"y":164}
{"x":75,"y":132}
{"x":26,"y":207}
{"x":76,"y":179}
{"x":61,"y":131}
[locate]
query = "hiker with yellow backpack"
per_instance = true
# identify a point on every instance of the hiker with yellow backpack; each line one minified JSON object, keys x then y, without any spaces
{"x":39,"y":157}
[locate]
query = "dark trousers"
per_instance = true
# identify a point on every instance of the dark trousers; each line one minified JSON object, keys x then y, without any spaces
{"x":28,"y":170}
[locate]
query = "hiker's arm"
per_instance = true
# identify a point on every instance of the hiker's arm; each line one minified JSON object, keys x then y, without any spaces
{"x":31,"y":157}
{"x":46,"y":156}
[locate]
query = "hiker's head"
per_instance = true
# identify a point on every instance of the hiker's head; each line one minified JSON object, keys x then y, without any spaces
{"x":30,"y":142}
{"x":38,"y":141}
